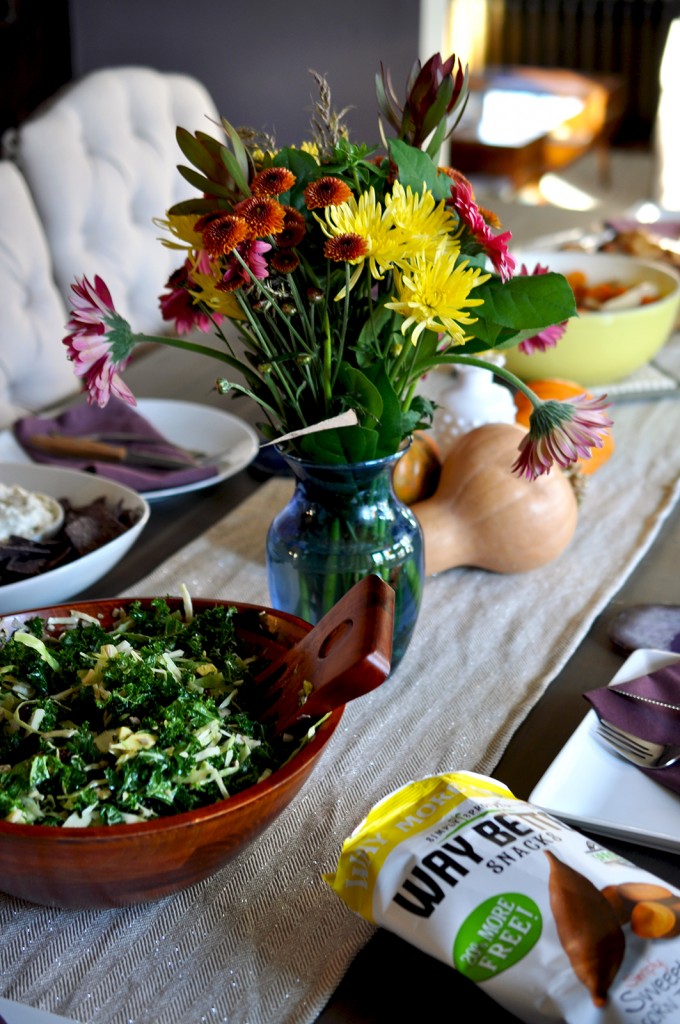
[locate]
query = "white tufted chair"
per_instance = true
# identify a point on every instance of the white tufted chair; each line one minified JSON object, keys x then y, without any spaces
{"x":34,"y":371}
{"x":100,"y":158}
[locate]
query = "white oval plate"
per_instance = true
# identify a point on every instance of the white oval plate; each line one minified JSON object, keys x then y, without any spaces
{"x":60,"y":584}
{"x":230,"y":440}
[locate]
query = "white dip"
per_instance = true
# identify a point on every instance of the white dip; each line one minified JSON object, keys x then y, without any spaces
{"x":27,"y":514}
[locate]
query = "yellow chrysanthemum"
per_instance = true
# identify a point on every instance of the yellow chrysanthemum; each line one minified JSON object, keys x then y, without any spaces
{"x":423,"y":224}
{"x":311,"y":148}
{"x":435,"y":294}
{"x":182,"y":228}
{"x":365,"y":217}
{"x":259,"y":155}
{"x":220,"y":301}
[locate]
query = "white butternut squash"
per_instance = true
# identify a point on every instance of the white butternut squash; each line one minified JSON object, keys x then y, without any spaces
{"x":483,"y":515}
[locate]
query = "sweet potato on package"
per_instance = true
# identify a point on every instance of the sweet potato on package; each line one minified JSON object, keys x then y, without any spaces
{"x":549,"y":923}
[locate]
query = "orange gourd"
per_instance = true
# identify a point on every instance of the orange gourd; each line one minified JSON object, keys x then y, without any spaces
{"x":554,"y":387}
{"x":416,"y":475}
{"x":484,"y":515}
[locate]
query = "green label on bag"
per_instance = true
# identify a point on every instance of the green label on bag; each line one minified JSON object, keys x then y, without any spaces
{"x":496,"y":935}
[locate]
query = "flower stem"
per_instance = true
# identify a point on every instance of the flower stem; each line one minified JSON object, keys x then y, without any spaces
{"x":499,"y":371}
{"x":327,"y":362}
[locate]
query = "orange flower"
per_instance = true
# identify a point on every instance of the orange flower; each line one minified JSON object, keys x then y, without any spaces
{"x":263,"y":216}
{"x":294,"y":228}
{"x":326,"y":191}
{"x":491,"y":218}
{"x":272,"y":181}
{"x":346,"y":248}
{"x":221,"y":232}
{"x":285,"y":261}
{"x":455,"y":175}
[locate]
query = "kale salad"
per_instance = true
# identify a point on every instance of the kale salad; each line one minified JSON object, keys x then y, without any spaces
{"x":149,"y":718}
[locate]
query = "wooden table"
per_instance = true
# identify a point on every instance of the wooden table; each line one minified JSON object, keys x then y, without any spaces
{"x":426,"y":988}
{"x":522,"y":122}
{"x":390,"y":979}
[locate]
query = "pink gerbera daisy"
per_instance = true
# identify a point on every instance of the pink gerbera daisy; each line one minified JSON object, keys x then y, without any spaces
{"x":252,"y":254}
{"x":99,"y":342}
{"x":561,"y":433}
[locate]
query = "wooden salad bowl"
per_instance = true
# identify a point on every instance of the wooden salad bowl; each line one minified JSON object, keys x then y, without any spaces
{"x":117,"y":865}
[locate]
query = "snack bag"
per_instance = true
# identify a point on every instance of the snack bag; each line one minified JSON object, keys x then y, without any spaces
{"x":550,"y":924}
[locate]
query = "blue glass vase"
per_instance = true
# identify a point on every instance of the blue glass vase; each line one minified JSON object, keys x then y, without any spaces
{"x":342,"y":523}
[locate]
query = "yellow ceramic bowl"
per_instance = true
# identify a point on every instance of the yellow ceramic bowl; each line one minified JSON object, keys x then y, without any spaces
{"x":603,"y":347}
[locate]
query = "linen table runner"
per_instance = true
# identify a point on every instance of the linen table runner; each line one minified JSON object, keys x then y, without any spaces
{"x":265,"y":941}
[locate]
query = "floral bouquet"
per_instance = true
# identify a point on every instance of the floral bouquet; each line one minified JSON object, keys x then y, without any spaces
{"x":336,"y":276}
{"x":347,"y":273}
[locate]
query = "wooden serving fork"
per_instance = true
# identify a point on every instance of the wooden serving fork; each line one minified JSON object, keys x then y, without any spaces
{"x":347,"y":654}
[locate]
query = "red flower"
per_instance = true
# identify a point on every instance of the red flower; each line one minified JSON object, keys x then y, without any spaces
{"x":495,"y":246}
{"x":179,"y":305}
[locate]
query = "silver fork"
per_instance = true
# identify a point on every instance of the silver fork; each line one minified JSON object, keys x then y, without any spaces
{"x":642,"y":753}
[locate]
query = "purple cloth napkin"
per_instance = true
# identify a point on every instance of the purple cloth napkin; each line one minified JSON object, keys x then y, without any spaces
{"x":116,"y":417}
{"x":648,"y":721}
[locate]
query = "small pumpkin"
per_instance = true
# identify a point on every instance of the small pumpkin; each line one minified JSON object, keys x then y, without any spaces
{"x":416,"y":475}
{"x":484,"y":515}
{"x":559,"y":389}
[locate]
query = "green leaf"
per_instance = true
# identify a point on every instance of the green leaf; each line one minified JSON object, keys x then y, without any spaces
{"x":339,"y":446}
{"x":237,"y":163}
{"x":302,"y":164}
{"x":197,"y":206}
{"x":367,"y":345}
{"x":419,"y":416}
{"x":434,"y":145}
{"x":360,"y":392}
{"x":527,"y":301}
{"x":204,"y":184}
{"x":390,"y":430}
{"x":520,"y":308}
{"x":415,"y":168}
{"x":304,"y":167}
{"x":426,"y":353}
{"x":197,"y":153}
{"x":234,"y":169}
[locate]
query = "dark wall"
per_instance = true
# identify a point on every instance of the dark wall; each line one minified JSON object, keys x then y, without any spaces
{"x":254,"y":56}
{"x":35,"y":55}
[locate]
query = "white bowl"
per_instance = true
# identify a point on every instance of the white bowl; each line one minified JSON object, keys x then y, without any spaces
{"x":60,"y":584}
{"x":30,"y":514}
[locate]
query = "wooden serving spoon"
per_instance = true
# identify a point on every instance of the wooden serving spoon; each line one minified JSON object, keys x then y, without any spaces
{"x":347,"y":654}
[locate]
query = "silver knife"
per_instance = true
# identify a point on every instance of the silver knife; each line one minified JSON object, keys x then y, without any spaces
{"x":63,"y":446}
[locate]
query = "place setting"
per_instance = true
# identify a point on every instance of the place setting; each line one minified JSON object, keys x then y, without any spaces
{"x":600,"y":780}
{"x":158,"y":447}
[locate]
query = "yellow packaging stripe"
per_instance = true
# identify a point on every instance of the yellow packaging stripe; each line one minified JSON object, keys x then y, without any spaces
{"x":415,"y":807}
